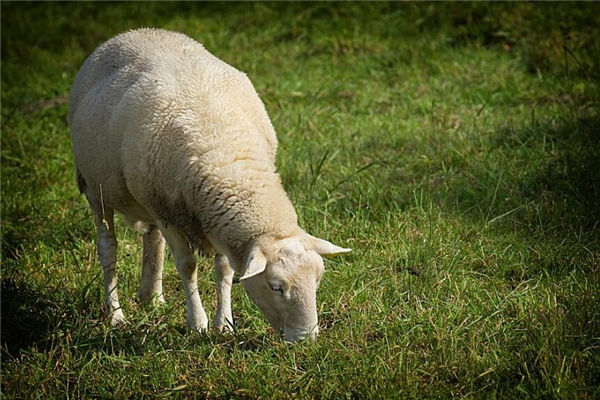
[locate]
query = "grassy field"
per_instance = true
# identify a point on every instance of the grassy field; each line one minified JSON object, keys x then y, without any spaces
{"x":454,"y":147}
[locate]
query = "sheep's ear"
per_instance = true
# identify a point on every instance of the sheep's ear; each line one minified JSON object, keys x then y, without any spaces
{"x":256,"y":263}
{"x":323,"y":247}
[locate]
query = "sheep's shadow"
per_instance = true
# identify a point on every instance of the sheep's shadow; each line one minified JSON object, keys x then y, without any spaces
{"x":36,"y":321}
{"x":27,"y":317}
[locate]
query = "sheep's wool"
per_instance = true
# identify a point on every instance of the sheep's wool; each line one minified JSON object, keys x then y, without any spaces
{"x":158,"y":121}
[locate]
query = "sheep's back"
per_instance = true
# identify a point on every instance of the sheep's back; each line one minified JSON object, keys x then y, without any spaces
{"x":152,"y":111}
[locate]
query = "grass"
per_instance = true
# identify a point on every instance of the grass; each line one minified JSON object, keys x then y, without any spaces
{"x":454,"y":147}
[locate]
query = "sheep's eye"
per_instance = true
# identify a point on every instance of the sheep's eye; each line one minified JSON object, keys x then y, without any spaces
{"x":276,"y":287}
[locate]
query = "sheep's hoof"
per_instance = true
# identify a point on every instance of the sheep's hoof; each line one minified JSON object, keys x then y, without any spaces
{"x":224,"y":326}
{"x":199,"y":327}
{"x":154,"y":299}
{"x":117,"y":318}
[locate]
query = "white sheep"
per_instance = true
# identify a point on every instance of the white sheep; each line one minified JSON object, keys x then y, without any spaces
{"x":180,"y":144}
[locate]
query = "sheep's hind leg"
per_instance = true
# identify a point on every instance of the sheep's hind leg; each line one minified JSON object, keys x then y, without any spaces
{"x":185,"y":261}
{"x":224,"y":273}
{"x":152,"y":266}
{"x":107,"y":253}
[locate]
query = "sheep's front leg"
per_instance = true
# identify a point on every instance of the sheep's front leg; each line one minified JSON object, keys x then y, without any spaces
{"x":224,"y":273}
{"x":152,"y":266}
{"x":107,"y":253}
{"x":185,"y":261}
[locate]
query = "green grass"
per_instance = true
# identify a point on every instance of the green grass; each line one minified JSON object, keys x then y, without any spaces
{"x":454,"y":147}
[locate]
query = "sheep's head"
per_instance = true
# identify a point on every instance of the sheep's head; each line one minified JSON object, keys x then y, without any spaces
{"x":282,"y":281}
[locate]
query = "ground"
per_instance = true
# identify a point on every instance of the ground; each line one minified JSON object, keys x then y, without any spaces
{"x":454,"y":146}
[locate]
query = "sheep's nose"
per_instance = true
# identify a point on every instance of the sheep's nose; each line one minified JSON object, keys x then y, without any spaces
{"x":294,"y":337}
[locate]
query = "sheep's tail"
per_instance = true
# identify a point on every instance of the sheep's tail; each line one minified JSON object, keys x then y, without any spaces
{"x":81,"y":184}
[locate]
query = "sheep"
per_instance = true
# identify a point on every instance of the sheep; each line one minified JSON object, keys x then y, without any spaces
{"x":179,"y":143}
